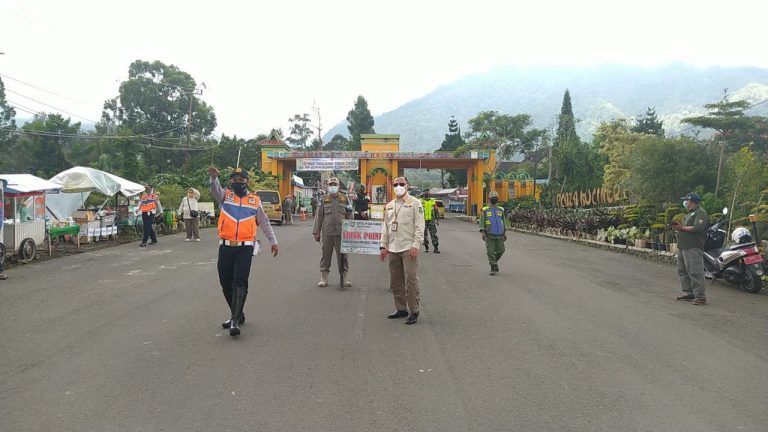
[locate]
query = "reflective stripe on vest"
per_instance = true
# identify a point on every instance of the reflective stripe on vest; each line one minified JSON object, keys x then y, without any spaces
{"x":237,"y":219}
{"x":148,"y":203}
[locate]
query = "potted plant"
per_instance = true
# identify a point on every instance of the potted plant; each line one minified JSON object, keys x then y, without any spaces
{"x":639,"y":237}
{"x":656,"y":230}
{"x":610,"y":234}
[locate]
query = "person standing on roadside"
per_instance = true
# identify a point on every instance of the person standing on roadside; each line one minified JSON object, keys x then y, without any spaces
{"x":430,"y":221}
{"x":493,"y":231}
{"x":239,"y":216}
{"x":334,"y":208}
{"x":190,"y":213}
{"x":361,"y":204}
{"x":692,"y":232}
{"x":149,"y":207}
{"x":401,"y":238}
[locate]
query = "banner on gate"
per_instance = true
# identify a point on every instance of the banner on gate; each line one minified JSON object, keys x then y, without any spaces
{"x":361,"y":236}
{"x":326,"y":164}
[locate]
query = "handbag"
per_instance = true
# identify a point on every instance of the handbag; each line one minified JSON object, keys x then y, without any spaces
{"x":193,"y":213}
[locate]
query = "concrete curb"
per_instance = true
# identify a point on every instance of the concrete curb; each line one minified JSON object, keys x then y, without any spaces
{"x":648,"y":254}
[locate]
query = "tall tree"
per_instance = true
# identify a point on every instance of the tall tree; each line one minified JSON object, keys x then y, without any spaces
{"x":451,"y":143}
{"x":7,"y":130}
{"x":566,"y":122}
{"x":649,"y":123}
{"x":44,"y":143}
{"x":161,"y":103}
{"x":338,"y":143}
{"x":300,"y":132}
{"x":360,"y":121}
{"x":727,"y":118}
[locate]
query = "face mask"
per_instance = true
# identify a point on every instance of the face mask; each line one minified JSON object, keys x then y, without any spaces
{"x":333,"y":189}
{"x":494,"y":200}
{"x":147,"y":190}
{"x":685,"y":203}
{"x":426,"y":196}
{"x":399,"y":190}
{"x":240,"y":189}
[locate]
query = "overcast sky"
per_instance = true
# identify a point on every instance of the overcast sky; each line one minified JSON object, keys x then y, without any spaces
{"x":263,"y":61}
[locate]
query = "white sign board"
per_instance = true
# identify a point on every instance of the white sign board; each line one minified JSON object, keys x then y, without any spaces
{"x":326,"y":164}
{"x":361,"y":236}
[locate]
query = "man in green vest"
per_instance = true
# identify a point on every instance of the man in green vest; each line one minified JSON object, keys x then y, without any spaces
{"x":430,"y":215}
{"x":692,"y":232}
{"x":493,"y":231}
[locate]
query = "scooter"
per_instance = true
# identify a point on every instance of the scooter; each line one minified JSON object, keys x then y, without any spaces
{"x":740,"y":264}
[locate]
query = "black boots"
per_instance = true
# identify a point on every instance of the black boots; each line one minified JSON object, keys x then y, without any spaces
{"x":436,"y":249}
{"x":228,"y":323}
{"x":398,"y":314}
{"x":412,"y":318}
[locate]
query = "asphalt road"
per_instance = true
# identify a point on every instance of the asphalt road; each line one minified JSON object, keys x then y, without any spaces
{"x":566,"y":338}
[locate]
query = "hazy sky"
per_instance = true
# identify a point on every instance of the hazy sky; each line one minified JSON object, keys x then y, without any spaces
{"x":263,"y":61}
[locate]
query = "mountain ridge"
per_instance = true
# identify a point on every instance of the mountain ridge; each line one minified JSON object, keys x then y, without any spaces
{"x":598,"y":93}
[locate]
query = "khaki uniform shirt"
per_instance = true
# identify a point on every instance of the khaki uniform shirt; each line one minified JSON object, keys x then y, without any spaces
{"x":409,"y":215}
{"x":332,"y":210}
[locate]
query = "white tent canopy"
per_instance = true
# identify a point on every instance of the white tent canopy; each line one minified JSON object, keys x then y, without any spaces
{"x":26,"y":183}
{"x":77,"y":184}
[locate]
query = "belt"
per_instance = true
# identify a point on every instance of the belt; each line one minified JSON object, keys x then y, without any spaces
{"x":236,"y":244}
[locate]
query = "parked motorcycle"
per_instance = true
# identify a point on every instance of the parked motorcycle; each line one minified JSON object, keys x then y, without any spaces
{"x":740,"y":264}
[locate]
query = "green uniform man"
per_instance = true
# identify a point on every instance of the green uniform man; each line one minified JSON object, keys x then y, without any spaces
{"x":692,"y":233}
{"x":430,"y":222}
{"x":494,"y":233}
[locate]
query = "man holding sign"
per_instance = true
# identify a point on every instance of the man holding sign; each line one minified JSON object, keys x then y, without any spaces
{"x":401,"y":238}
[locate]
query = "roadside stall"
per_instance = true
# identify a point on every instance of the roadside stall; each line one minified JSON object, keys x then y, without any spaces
{"x":77,"y":185}
{"x":24,"y":226}
{"x":2,"y":216}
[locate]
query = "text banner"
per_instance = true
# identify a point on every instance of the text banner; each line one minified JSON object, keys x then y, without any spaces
{"x":361,"y":236}
{"x":326,"y":164}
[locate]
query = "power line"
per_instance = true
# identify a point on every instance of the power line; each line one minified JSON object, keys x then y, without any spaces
{"x":44,"y":90}
{"x":51,"y":106}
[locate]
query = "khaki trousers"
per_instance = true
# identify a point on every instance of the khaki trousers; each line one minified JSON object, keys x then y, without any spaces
{"x":193,"y":228}
{"x":403,"y":281}
{"x":329,"y":244}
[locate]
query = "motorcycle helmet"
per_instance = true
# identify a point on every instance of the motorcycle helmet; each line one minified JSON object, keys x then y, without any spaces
{"x":741,"y":235}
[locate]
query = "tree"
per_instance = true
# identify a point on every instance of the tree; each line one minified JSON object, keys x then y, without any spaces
{"x":43,"y":145}
{"x":726,"y":118}
{"x":360,"y":122}
{"x":649,"y":124}
{"x":664,"y":169}
{"x":451,"y":143}
{"x":7,"y":130}
{"x":566,"y":122}
{"x":160,"y":102}
{"x":300,"y":133}
{"x":338,"y":143}
{"x":616,"y":141}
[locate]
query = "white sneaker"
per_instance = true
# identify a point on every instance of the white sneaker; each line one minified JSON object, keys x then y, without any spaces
{"x":187,"y":240}
{"x":197,"y":239}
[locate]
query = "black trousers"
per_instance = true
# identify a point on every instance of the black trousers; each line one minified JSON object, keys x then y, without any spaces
{"x":234,"y":268}
{"x":147,"y":219}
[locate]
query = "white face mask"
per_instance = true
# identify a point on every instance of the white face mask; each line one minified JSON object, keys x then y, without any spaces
{"x":333,"y":189}
{"x":399,"y":190}
{"x":685,"y":204}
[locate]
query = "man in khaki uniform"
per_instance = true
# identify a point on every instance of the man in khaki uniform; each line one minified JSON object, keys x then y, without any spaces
{"x":401,"y":238}
{"x":692,"y":233}
{"x":333,"y":209}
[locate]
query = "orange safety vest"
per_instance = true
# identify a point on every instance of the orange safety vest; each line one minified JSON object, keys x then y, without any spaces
{"x":148,"y":203}
{"x":237,"y":220}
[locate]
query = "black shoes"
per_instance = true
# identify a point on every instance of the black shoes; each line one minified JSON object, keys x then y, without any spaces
{"x":685,"y":297}
{"x":398,"y":314}
{"x":153,"y":242}
{"x":437,"y":250}
{"x":494,"y":269}
{"x":426,"y":249}
{"x":234,"y":330}
{"x":143,"y":245}
{"x":228,"y":323}
{"x":412,"y":318}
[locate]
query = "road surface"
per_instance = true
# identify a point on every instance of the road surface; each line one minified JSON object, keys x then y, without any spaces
{"x":566,"y":338}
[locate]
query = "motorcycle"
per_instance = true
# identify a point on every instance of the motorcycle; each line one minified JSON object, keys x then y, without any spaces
{"x":740,"y":264}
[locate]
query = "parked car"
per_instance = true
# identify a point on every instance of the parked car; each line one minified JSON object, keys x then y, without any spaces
{"x":272,"y":204}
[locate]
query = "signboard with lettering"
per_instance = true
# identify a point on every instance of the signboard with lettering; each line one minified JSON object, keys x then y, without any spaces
{"x":377,"y":211}
{"x":591,"y":198}
{"x":361,"y":236}
{"x":372,"y":155}
{"x":326,"y":164}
